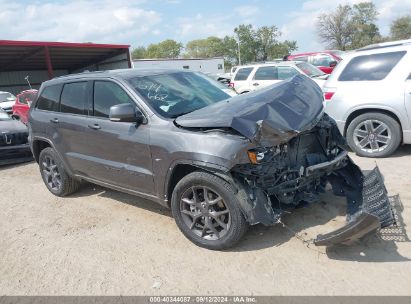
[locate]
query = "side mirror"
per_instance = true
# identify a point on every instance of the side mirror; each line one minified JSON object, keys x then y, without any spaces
{"x":333,"y":63}
{"x":126,"y":113}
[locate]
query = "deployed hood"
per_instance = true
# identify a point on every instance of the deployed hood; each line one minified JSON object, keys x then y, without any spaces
{"x":269,"y":116}
{"x":12,"y":126}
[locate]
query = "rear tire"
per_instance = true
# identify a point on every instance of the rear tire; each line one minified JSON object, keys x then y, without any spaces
{"x":54,"y":174}
{"x":374,"y":134}
{"x":202,"y":200}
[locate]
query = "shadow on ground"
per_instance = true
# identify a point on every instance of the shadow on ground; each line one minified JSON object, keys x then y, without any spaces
{"x":379,"y":247}
{"x":90,"y":189}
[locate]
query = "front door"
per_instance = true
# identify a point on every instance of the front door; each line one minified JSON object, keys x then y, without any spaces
{"x":120,"y":153}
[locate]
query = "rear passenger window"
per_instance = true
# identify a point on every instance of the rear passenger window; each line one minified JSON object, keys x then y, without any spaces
{"x":106,"y":95}
{"x":243,"y":73}
{"x":266,"y":73}
{"x":49,"y":98}
{"x":73,"y":98}
{"x":371,"y":67}
{"x":286,"y":72}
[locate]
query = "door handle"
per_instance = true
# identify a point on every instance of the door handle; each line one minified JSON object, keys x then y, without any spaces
{"x":55,"y":120}
{"x":256,"y":84}
{"x":94,"y":127}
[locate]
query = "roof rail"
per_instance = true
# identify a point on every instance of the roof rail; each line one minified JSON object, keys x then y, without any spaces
{"x":78,"y":74}
{"x":384,"y":45}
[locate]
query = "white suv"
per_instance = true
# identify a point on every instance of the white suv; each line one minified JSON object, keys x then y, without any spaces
{"x":369,"y":96}
{"x":256,"y":76}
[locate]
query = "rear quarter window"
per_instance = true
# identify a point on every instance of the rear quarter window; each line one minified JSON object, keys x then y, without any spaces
{"x":243,"y":74}
{"x":49,"y":98}
{"x":371,"y":67}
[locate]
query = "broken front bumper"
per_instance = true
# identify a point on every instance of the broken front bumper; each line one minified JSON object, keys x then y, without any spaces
{"x":375,"y":212}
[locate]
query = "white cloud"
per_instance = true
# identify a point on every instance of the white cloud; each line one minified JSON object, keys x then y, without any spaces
{"x":247,"y":11}
{"x":78,"y":20}
{"x":198,"y":26}
{"x":301,"y":24}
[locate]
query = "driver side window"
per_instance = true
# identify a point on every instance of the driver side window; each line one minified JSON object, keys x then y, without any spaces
{"x":107,"y":94}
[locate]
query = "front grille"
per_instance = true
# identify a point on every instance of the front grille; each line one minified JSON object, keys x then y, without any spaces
{"x":12,"y":139}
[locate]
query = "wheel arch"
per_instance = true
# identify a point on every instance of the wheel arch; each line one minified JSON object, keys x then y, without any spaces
{"x":359,"y":112}
{"x":181,"y":169}
{"x":38,"y":145}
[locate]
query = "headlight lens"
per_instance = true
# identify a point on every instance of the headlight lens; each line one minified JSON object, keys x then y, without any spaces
{"x":255,"y":157}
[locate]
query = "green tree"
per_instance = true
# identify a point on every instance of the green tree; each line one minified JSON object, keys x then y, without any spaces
{"x":401,"y":28}
{"x":365,"y":30}
{"x":281,"y":49}
{"x":166,"y":49}
{"x":248,"y":42}
{"x":336,"y":29}
{"x":205,"y":48}
{"x":266,"y":40}
{"x":139,"y":52}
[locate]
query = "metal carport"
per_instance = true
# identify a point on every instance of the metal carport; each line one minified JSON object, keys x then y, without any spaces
{"x":44,"y":60}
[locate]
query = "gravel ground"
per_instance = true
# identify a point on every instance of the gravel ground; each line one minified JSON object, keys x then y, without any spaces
{"x":102,"y":242}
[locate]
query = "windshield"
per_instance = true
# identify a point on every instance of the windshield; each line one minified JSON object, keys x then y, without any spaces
{"x":4,"y":115}
{"x":178,"y":93}
{"x":309,"y":69}
{"x":5,"y":96}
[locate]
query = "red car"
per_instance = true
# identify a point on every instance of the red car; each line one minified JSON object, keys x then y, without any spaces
{"x":325,"y":60}
{"x":22,"y":105}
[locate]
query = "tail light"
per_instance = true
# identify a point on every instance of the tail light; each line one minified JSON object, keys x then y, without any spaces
{"x":328,"y":93}
{"x":231,"y":85}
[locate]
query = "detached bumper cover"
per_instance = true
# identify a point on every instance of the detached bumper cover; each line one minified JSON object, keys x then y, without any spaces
{"x":372,"y":210}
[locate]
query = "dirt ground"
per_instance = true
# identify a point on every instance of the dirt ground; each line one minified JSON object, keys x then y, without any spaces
{"x":102,"y":242}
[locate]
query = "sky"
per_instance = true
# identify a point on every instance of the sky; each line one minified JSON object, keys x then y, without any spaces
{"x":141,"y":22}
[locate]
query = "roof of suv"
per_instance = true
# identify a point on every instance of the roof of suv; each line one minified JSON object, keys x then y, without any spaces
{"x":120,"y":73}
{"x":286,"y":62}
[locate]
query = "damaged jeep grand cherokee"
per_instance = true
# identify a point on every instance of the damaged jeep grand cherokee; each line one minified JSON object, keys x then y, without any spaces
{"x":220,"y":163}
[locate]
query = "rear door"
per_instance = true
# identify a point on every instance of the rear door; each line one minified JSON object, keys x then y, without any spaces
{"x":68,"y":126}
{"x":264,"y":76}
{"x":407,"y":99}
{"x":119,"y":151}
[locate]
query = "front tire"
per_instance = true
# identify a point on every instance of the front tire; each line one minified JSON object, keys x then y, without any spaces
{"x":374,"y":135}
{"x":206,"y":210}
{"x":54,"y":174}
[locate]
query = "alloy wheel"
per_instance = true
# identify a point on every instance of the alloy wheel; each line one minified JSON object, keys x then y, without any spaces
{"x":372,"y":136}
{"x":51,"y":173}
{"x":205,"y":212}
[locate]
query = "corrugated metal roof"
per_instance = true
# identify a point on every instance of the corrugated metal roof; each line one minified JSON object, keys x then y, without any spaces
{"x":30,"y":55}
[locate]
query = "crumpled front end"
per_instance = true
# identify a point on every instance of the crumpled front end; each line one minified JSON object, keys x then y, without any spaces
{"x":296,"y":172}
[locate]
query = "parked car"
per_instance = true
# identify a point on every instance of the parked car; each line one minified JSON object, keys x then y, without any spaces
{"x":219,"y":163}
{"x":22,"y":104}
{"x":257,"y":76}
{"x":7,"y":101}
{"x":325,"y":60}
{"x":369,"y":95}
{"x":14,"y":147}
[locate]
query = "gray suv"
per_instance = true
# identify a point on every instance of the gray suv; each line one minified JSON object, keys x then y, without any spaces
{"x":220,"y":163}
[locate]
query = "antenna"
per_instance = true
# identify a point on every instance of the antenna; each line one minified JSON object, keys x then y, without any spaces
{"x":27,"y":79}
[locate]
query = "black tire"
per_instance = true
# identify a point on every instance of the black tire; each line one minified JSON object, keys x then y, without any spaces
{"x":67,"y":184}
{"x":393,"y":129}
{"x":237,"y":224}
